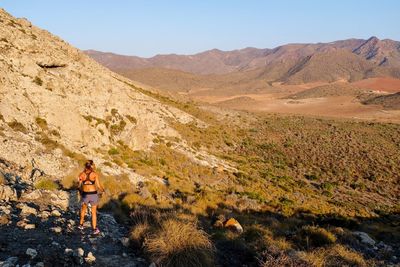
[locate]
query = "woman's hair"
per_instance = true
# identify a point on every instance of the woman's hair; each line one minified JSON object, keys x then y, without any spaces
{"x":89,"y":165}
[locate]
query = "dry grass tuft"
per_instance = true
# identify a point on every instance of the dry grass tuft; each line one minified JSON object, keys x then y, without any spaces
{"x":337,"y":255}
{"x":138,"y":233}
{"x":17,"y":126}
{"x":280,"y":258}
{"x":46,"y":184}
{"x":180,"y":244}
{"x":313,"y":236}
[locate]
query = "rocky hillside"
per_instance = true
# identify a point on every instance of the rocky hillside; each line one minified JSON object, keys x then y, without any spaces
{"x":58,"y":106}
{"x":38,"y":228}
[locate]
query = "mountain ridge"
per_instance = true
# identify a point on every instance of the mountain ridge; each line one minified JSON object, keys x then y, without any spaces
{"x":250,"y":58}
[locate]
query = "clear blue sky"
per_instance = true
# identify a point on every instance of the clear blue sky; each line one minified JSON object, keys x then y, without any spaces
{"x":150,"y":27}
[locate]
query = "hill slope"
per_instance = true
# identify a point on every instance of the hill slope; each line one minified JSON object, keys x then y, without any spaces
{"x":57,"y":100}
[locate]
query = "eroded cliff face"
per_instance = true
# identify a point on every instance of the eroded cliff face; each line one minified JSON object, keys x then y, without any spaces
{"x":55,"y":102}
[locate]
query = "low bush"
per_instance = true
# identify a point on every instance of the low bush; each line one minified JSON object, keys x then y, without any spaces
{"x":46,"y":184}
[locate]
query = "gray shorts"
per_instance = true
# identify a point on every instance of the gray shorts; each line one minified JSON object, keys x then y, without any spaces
{"x":93,"y":199}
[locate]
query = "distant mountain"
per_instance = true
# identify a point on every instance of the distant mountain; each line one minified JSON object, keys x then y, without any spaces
{"x":378,"y":52}
{"x":209,"y":62}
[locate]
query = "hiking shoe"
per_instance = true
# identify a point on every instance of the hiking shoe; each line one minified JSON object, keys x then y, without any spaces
{"x":80,"y":227}
{"x":96,"y":231}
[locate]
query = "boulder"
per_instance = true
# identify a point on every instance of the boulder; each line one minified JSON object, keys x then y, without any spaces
{"x":7,"y":193}
{"x":233,"y":225}
{"x":4,"y":218}
{"x":31,"y":252}
{"x":56,"y":229}
{"x":55,"y":213}
{"x":26,"y":210}
{"x":365,"y":238}
{"x":90,"y":259}
{"x":29,"y":226}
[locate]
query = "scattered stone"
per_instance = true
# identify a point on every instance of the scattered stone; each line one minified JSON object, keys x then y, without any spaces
{"x":56,"y":229}
{"x":71,"y":222}
{"x":365,"y":238}
{"x":61,"y":199}
{"x":44,"y":214}
{"x":21,"y":223}
{"x":54,"y":243}
{"x":90,"y":258}
{"x":79,"y":252}
{"x":55,"y":213}
{"x":29,"y":226}
{"x":4,"y":219}
{"x":68,"y":251}
{"x":124,"y":255}
{"x":7,"y":193}
{"x":5,"y":210}
{"x":31,"y":252}
{"x":125,"y":241}
{"x":39,"y":264}
{"x":26,"y":265}
{"x":10,"y":262}
{"x":26,"y":210}
{"x":152,"y":265}
{"x":233,"y":225}
{"x":32,"y":195}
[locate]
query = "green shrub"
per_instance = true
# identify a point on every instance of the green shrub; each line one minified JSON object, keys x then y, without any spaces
{"x":46,"y":184}
{"x":113,"y":151}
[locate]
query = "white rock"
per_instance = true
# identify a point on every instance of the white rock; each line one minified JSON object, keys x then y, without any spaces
{"x":90,"y":258}
{"x":68,"y":251}
{"x":55,"y":213}
{"x":80,"y":252}
{"x":56,"y":229}
{"x":44,"y":214}
{"x":39,"y":264}
{"x":365,"y":238}
{"x":31,"y":252}
{"x":7,"y":193}
{"x":29,"y":226}
{"x":11,"y":261}
{"x":125,"y":241}
{"x":26,"y":210}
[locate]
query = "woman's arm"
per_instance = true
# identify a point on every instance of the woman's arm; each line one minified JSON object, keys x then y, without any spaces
{"x":98,"y":184}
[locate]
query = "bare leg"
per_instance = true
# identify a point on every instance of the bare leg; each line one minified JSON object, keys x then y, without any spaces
{"x":83,"y":213}
{"x":94,"y":216}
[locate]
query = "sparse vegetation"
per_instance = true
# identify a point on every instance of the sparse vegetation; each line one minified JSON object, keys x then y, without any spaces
{"x":46,"y":184}
{"x":179,"y":244}
{"x":38,"y":81}
{"x":42,"y":123}
{"x":17,"y":126}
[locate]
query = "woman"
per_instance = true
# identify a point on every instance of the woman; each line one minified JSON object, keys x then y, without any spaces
{"x":89,"y":183}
